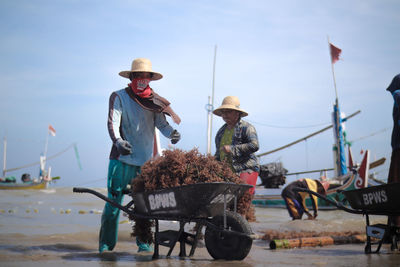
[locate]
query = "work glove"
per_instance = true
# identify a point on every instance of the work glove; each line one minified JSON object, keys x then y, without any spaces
{"x":175,"y":137}
{"x":123,"y":147}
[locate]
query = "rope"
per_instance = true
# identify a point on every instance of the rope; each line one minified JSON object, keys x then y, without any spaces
{"x":38,"y":162}
{"x":287,"y":127}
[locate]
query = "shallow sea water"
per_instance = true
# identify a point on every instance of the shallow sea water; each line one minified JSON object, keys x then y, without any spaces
{"x":55,"y":227}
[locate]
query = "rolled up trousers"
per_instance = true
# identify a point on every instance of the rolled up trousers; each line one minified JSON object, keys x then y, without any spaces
{"x":119,"y":176}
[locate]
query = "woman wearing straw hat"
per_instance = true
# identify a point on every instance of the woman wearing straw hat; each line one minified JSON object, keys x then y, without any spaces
{"x":236,"y":141}
{"x":133,"y":114}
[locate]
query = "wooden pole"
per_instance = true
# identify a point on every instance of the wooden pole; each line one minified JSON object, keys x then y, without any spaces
{"x":316,"y":241}
{"x":211,"y":106}
{"x":209,"y":119}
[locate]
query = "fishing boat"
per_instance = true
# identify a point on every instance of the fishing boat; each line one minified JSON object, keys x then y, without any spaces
{"x":44,"y":177}
{"x":348,"y":176}
{"x":10,"y":183}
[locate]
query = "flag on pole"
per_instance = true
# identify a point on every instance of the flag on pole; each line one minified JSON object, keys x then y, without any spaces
{"x":52,"y":131}
{"x":335,"y":53}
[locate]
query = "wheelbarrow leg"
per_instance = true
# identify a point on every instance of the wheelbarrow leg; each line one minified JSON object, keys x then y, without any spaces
{"x":198,"y":228}
{"x":367,"y":248}
{"x":176,"y":239}
{"x":156,"y":254}
{"x":182,"y":244}
{"x":394,"y":233}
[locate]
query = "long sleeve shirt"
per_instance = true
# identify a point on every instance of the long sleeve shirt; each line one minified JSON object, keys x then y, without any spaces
{"x":129,"y":121}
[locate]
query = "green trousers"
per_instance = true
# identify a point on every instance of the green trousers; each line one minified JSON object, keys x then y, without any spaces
{"x":119,"y":176}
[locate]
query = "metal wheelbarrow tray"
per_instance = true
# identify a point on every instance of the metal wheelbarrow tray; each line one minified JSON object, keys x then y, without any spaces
{"x":227,"y":236}
{"x":374,"y":200}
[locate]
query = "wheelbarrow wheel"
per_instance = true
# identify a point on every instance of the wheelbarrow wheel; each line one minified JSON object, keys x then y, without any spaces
{"x":228,"y":246}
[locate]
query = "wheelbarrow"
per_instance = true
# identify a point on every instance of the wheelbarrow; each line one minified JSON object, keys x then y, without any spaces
{"x":374,"y":200}
{"x":227,"y":235}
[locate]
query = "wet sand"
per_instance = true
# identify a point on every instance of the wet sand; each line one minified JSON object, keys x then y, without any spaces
{"x":80,"y":249}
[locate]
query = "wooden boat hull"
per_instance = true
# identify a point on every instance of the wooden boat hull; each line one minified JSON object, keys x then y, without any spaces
{"x":21,"y":186}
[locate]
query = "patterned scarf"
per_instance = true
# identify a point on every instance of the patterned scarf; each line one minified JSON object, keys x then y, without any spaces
{"x":141,"y":87}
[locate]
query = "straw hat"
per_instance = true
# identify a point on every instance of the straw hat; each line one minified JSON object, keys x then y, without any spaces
{"x":141,"y":65}
{"x":324,"y":185}
{"x":230,"y":102}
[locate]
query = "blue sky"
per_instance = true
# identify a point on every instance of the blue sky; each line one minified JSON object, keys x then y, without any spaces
{"x":60,"y":62}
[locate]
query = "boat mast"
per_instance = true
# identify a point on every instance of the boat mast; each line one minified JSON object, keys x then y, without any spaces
{"x":43,"y":158}
{"x":4,"y":156}
{"x":339,"y":155}
{"x":210,"y":107}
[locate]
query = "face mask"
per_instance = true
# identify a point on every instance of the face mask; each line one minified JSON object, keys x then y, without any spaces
{"x":141,"y":87}
{"x":140,"y":84}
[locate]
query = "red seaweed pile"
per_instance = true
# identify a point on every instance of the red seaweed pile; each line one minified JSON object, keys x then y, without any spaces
{"x":177,"y":167}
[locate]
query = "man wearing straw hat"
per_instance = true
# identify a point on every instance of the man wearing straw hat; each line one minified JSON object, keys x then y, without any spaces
{"x":236,"y":141}
{"x":133,"y":114}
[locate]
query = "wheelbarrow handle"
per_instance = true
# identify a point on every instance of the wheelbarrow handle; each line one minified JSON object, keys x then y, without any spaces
{"x":103,"y":197}
{"x":81,"y":190}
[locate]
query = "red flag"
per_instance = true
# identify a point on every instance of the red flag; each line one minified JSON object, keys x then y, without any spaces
{"x":335,"y":53}
{"x":52,"y":131}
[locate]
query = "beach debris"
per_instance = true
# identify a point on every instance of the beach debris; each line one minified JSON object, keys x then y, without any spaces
{"x":294,"y":239}
{"x":316,"y":241}
{"x":275,"y":234}
{"x":176,"y":168}
{"x":95,"y":211}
